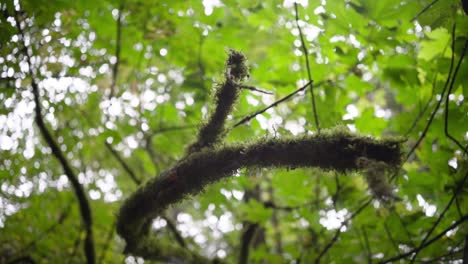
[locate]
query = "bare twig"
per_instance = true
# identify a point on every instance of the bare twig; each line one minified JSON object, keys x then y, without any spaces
{"x":390,"y":237}
{"x":115,"y":69}
{"x":309,"y":75}
{"x":171,"y":128}
{"x":422,"y":111}
{"x":367,"y":245}
{"x":85,"y":209}
{"x":465,"y":250}
{"x":247,"y":237}
{"x":431,"y":118}
{"x":252,"y":88}
{"x":109,"y":237}
{"x":249,"y":117}
{"x":124,"y":165}
{"x":62,"y":217}
{"x":275,"y":223}
{"x":448,"y":95}
{"x":429,"y":242}
{"x":173,"y":228}
{"x":423,"y":10}
{"x":338,"y":231}
{"x":441,"y":216}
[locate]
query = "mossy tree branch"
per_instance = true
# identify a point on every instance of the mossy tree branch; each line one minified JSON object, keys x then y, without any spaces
{"x":225,"y":97}
{"x":207,"y":162}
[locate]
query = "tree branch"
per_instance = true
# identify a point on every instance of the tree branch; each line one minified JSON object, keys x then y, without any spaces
{"x":261,"y":111}
{"x":118,"y":41}
{"x":450,"y":91}
{"x":429,"y":242}
{"x":423,"y":10}
{"x":246,"y":240}
{"x":124,"y":165}
{"x":309,"y":75}
{"x":338,"y":231}
{"x":226,"y":95}
{"x":441,"y":216}
{"x":85,"y":209}
{"x":431,"y":118}
{"x":333,"y":151}
{"x":336,"y":150}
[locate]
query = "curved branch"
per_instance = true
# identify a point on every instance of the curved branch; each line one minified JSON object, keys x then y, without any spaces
{"x":336,"y":150}
{"x":85,"y":209}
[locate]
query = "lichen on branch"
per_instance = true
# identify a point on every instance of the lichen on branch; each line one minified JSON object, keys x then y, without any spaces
{"x":208,"y":161}
{"x":226,"y":95}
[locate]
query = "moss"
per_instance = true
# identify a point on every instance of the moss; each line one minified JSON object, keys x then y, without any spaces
{"x":206,"y":162}
{"x":226,"y":95}
{"x":336,"y":150}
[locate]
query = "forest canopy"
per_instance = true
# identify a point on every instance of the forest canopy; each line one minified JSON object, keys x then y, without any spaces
{"x":233,"y":131}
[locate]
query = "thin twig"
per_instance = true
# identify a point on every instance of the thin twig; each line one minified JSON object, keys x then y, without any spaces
{"x":423,"y":10}
{"x":105,"y":248}
{"x":173,"y":228}
{"x":450,"y":91}
{"x":423,"y":111}
{"x":338,"y":231}
{"x":85,"y":209}
{"x":335,"y":196}
{"x":115,"y":69}
{"x":309,"y":75}
{"x":124,"y":165}
{"x":62,"y":217}
{"x":367,"y":245}
{"x":252,"y":88}
{"x":249,"y":117}
{"x":389,"y":234}
{"x":171,"y":128}
{"x":275,"y":223}
{"x":431,"y":118}
{"x":440,"y":235}
{"x":449,"y":204}
{"x":465,"y":250}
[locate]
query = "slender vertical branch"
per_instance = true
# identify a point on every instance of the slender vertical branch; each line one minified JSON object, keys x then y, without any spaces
{"x":115,"y":69}
{"x":446,"y":130}
{"x":309,"y":75}
{"x":124,"y":165}
{"x":465,"y":250}
{"x":85,"y":209}
{"x":367,"y":245}
{"x":434,"y":112}
{"x":105,"y":248}
{"x":247,"y":237}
